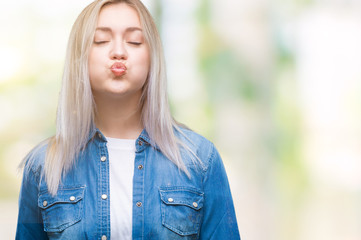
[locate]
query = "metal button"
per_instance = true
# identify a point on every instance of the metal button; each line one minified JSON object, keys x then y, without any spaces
{"x":45,"y":203}
{"x":104,"y":237}
{"x":139,"y":204}
{"x":195,"y":204}
{"x":72,"y":198}
{"x":99,"y":135}
{"x":103,"y":158}
{"x":170,"y":199}
{"x":104,"y":196}
{"x":140,"y":167}
{"x":140,"y":143}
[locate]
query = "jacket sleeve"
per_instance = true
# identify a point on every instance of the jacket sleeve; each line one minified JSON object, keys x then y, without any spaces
{"x":30,"y":225}
{"x":219,"y":220}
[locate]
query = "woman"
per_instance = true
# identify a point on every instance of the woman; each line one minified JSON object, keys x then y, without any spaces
{"x":119,"y":166}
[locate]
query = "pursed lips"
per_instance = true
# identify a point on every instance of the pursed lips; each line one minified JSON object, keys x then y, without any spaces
{"x":118,"y":69}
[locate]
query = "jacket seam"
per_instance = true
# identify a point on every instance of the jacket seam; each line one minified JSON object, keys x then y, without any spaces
{"x":209,"y":162}
{"x":210,"y":157}
{"x":36,"y":176}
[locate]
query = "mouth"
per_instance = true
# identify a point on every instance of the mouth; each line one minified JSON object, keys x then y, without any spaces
{"x":118,"y":69}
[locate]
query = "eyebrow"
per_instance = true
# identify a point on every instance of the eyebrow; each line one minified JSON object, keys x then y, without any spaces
{"x":129,"y":29}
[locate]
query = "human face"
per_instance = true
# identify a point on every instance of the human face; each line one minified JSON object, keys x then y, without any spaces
{"x":119,"y":56}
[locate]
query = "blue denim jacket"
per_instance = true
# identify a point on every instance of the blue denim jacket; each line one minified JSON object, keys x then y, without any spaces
{"x":167,"y":204}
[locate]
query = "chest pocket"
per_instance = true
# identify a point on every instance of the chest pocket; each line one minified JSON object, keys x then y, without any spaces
{"x":181,"y":209}
{"x":63,"y":210}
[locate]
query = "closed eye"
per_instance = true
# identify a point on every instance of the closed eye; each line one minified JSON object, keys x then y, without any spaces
{"x":100,"y":42}
{"x":135,"y":43}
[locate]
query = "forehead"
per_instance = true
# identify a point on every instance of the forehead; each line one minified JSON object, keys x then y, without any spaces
{"x":118,"y":16}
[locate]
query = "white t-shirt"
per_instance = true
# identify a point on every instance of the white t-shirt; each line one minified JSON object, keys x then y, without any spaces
{"x":121,"y":170}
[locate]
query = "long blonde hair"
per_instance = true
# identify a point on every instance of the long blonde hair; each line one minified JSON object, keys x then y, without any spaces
{"x":76,"y":108}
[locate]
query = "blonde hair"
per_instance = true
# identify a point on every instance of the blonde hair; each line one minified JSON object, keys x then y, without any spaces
{"x":76,"y":108}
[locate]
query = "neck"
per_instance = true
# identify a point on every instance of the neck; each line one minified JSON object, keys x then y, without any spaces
{"x":118,"y":118}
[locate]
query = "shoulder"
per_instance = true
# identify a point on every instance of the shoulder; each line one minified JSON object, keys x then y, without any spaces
{"x":195,"y":139}
{"x":33,"y":163}
{"x":198,"y":144}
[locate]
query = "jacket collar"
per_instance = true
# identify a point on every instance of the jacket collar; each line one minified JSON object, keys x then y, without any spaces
{"x":144,"y":137}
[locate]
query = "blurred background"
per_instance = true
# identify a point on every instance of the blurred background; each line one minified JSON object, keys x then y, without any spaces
{"x":274,"y":84}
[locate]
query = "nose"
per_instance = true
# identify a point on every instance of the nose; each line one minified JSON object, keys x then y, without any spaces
{"x":118,"y":51}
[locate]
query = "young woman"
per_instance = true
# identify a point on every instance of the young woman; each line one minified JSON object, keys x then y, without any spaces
{"x":119,"y":166}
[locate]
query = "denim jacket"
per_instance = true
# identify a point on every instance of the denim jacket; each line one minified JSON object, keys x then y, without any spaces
{"x":167,"y":204}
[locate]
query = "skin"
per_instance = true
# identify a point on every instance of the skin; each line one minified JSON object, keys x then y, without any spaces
{"x":118,"y":38}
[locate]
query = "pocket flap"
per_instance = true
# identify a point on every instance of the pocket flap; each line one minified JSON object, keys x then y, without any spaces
{"x":182,"y":196}
{"x":73,"y":195}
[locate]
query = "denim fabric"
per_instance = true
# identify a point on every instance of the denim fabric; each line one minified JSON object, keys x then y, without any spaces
{"x":167,"y":204}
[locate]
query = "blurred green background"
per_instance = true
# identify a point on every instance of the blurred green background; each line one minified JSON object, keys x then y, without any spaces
{"x":274,"y":84}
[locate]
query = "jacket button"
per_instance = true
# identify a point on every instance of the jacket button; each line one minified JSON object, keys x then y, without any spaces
{"x":72,"y":198}
{"x":104,"y":196}
{"x":140,"y":143}
{"x":139,"y":204}
{"x":140,"y":167}
{"x":99,"y":135}
{"x":103,"y":158}
{"x":170,"y":199}
{"x":45,"y":203}
{"x":104,"y":237}
{"x":195,"y":204}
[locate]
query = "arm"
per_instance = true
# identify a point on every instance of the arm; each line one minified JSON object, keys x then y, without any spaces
{"x":219,"y":216}
{"x":30,"y":224}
